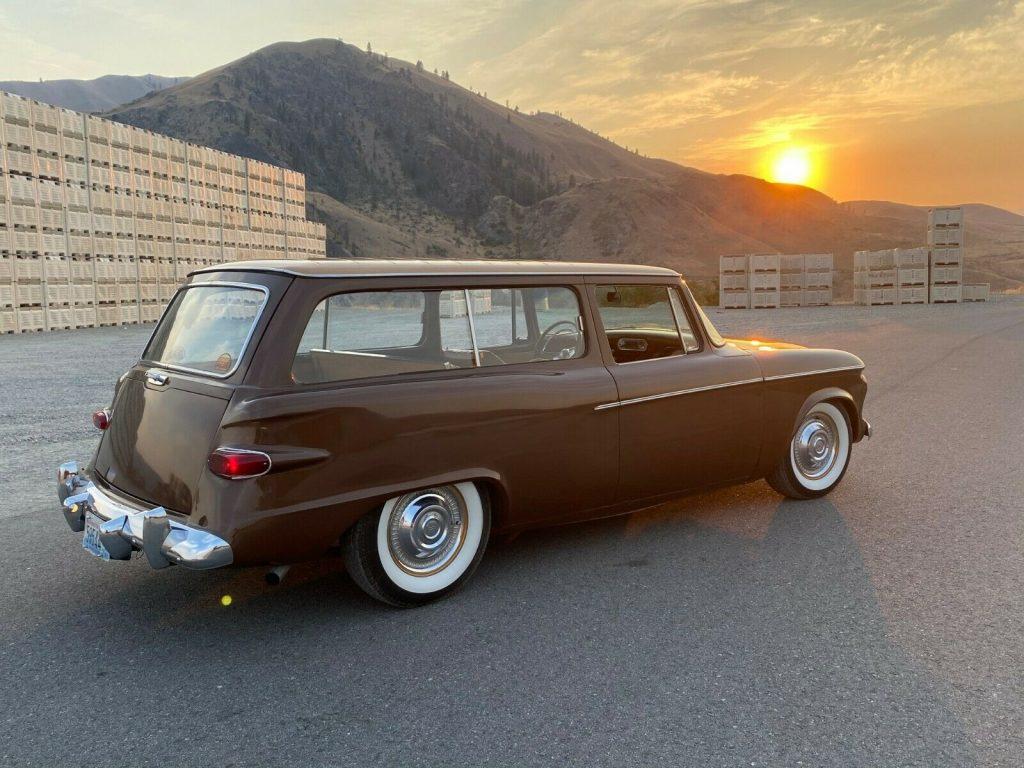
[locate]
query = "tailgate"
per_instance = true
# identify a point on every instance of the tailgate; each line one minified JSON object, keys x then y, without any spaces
{"x":167,"y":412}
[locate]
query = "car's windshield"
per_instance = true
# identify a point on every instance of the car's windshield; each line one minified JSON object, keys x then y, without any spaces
{"x":206,"y":328}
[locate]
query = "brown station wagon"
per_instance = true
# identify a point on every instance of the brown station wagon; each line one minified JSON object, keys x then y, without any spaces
{"x":400,"y":412}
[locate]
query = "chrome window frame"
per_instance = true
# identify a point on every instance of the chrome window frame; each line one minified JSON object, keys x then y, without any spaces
{"x":245,"y":344}
{"x":702,"y":317}
{"x":688,"y":317}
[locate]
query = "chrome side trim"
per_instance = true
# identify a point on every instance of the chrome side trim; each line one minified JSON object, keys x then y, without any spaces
{"x":779,"y":376}
{"x":245,"y":344}
{"x":677,"y":393}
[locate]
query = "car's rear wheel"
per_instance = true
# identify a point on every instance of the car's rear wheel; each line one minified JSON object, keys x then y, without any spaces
{"x":818,"y":455}
{"x":420,"y":546}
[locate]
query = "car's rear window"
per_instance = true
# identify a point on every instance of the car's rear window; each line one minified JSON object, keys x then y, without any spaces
{"x":206,"y":328}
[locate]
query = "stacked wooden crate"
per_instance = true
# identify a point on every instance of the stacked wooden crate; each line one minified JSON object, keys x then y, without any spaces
{"x":975,"y":291}
{"x":733,"y":282}
{"x":8,"y":322}
{"x":765,"y":280}
{"x":818,"y":268}
{"x":946,"y":257}
{"x":791,"y":280}
{"x":875,"y":277}
{"x":912,"y":274}
{"x":100,"y":222}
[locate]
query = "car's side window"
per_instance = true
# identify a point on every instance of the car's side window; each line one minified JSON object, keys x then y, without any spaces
{"x":643,"y":322}
{"x":524,"y":325}
{"x":349,"y":321}
{"x":456,"y":336}
{"x":358,"y":335}
{"x":362,"y":334}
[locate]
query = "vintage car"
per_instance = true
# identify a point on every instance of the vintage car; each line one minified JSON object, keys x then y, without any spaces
{"x":401,"y":412}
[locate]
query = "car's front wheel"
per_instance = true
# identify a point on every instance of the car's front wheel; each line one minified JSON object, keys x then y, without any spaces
{"x":419,"y":546}
{"x":818,"y":455}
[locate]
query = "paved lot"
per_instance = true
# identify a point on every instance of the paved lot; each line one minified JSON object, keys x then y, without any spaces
{"x":882,"y":626}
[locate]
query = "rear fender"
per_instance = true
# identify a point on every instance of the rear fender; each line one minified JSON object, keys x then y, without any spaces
{"x":307,"y":531}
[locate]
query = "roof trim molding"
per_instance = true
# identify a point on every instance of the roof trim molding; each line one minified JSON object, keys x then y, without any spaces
{"x":412,"y":269}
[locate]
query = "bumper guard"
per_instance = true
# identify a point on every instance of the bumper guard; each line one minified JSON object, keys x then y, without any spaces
{"x":123,"y":529}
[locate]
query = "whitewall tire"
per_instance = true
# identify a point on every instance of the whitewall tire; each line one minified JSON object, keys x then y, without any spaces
{"x":817,"y":456}
{"x":419,"y":546}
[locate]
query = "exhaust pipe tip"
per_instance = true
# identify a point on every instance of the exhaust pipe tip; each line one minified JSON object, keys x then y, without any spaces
{"x":276,"y":575}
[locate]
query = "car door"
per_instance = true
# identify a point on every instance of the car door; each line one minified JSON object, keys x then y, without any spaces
{"x":689,"y":412}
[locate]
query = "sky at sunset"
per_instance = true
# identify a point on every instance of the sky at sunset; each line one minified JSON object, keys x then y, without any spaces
{"x":920,"y":102}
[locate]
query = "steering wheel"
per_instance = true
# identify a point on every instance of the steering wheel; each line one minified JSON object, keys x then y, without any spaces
{"x":551,"y":332}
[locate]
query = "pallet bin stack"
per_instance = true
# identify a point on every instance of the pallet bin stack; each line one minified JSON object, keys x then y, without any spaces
{"x":7,"y":320}
{"x":818,"y":279}
{"x":733,"y":282}
{"x":101,"y":222}
{"x":765,"y":280}
{"x":791,"y":280}
{"x":771,"y":280}
{"x":946,"y":263}
{"x":912,"y":274}
{"x":875,"y":278}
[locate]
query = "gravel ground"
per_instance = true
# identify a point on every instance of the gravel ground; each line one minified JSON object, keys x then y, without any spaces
{"x":880,"y":626}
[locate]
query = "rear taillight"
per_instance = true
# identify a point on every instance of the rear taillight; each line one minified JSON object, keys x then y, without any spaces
{"x":101,"y":419}
{"x":238,"y":464}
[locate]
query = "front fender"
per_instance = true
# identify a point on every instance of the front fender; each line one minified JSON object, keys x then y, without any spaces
{"x":790,"y":394}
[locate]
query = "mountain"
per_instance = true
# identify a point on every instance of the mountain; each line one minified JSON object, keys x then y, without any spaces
{"x":404,"y":162}
{"x":90,"y":95}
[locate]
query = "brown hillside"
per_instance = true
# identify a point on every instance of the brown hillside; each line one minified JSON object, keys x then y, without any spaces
{"x":403,"y":160}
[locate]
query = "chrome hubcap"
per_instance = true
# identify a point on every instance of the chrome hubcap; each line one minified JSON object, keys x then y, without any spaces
{"x":426,"y":530}
{"x":815,"y":446}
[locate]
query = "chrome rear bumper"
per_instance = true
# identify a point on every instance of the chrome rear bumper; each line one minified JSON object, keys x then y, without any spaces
{"x":125,"y":529}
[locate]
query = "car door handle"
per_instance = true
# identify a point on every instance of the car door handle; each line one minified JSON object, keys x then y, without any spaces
{"x":157,"y":379}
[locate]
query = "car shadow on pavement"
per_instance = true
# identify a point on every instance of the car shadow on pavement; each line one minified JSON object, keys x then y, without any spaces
{"x":721,"y":629}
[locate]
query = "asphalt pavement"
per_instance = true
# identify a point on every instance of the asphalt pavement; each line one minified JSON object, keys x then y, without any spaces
{"x":880,"y":626}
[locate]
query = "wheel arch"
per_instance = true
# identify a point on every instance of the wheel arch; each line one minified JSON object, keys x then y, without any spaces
{"x":841,"y":398}
{"x":490,"y":483}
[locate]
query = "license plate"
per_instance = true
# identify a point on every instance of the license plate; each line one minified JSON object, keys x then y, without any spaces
{"x":91,"y":540}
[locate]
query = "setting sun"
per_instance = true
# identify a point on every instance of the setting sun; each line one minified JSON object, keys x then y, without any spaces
{"x":792,"y":166}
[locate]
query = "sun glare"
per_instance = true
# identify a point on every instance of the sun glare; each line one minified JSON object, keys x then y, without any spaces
{"x":792,"y":166}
